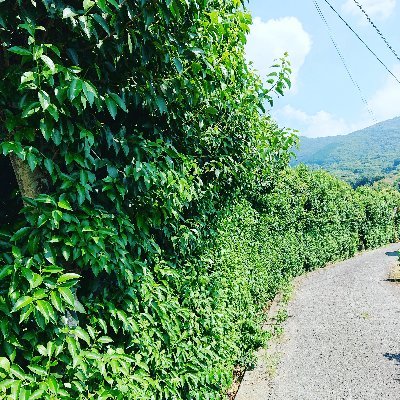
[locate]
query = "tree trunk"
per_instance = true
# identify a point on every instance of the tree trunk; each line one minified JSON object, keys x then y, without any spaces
{"x":28,"y":181}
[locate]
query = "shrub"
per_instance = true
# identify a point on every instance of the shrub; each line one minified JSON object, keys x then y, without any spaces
{"x":303,"y":221}
{"x":129,"y":125}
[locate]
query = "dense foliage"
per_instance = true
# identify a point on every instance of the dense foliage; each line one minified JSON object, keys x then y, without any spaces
{"x":360,"y":158}
{"x":303,"y":221}
{"x":129,"y":125}
{"x":156,"y":222}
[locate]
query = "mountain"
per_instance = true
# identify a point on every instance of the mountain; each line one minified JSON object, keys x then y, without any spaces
{"x":361,"y":157}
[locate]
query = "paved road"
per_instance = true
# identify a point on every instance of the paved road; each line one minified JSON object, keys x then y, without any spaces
{"x":341,"y":340}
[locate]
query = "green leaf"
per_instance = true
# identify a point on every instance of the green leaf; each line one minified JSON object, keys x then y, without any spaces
{"x":44,"y":99}
{"x":49,"y":165}
{"x":53,"y":111}
{"x":65,"y":252}
{"x":18,"y":372}
{"x":20,"y":50}
{"x":39,"y":294}
{"x":44,"y":198}
{"x":75,"y":88}
{"x":212,"y":110}
{"x":35,"y":281}
{"x":67,"y":277}
{"x":68,"y":13}
{"x":5,"y":271}
{"x":52,"y":384}
{"x":161,"y":104}
{"x":49,"y":257}
{"x":67,"y":295}
{"x":89,"y":92}
{"x":41,"y":306}
{"x":25,"y":314}
{"x":102,"y":4}
{"x":112,"y":106}
{"x":54,"y":49}
{"x":50,"y":348}
{"x":101,"y":21}
{"x":20,"y":233}
{"x":6,"y":384}
{"x":88,"y":4}
{"x":114,"y":3}
{"x":37,"y":394}
{"x":31,"y":109}
{"x":5,"y":364}
{"x":49,"y":62}
{"x":91,"y":331}
{"x":52,"y":269}
{"x":79,"y":307}
{"x":130,"y":47}
{"x":104,"y":339}
{"x":80,"y":333}
{"x":73,"y":349}
{"x":112,"y":171}
{"x":119,"y":101}
{"x":27,"y":76}
{"x":64,"y":204}
{"x":22,"y":302}
{"x":56,"y":301}
{"x":42,"y":350}
{"x":178,"y":65}
{"x":32,"y":161}
{"x":37,"y":369}
{"x":46,"y":127}
{"x":16,"y":252}
{"x":92,"y":355}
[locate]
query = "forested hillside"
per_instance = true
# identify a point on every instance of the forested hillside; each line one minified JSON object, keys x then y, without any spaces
{"x":148,"y":210}
{"x":359,"y":158}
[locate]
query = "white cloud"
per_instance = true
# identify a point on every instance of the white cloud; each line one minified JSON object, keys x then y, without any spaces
{"x":385,"y":101}
{"x":319,"y":124}
{"x":269,"y":41}
{"x":381,"y":9}
{"x":384,"y":104}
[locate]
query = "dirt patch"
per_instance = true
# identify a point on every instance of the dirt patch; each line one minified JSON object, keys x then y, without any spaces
{"x":238,"y":375}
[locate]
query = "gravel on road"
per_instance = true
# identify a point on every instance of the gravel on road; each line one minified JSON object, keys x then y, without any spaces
{"x":341,"y":340}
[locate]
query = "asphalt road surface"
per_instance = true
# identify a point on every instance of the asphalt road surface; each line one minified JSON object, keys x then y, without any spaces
{"x":341,"y":340}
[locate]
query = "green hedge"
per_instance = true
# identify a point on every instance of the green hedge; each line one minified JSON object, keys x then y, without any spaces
{"x":130,"y":125}
{"x":304,"y":221}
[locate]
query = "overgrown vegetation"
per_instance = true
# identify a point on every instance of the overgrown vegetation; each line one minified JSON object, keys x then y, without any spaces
{"x":305,"y":220}
{"x":159,"y":216}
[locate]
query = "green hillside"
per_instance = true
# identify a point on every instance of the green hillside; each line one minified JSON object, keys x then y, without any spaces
{"x":361,"y":157}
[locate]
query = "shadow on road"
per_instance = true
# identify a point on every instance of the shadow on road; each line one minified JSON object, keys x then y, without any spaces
{"x":395,"y":358}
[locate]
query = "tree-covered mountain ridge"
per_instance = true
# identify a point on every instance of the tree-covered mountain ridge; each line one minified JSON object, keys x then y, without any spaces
{"x":361,"y":157}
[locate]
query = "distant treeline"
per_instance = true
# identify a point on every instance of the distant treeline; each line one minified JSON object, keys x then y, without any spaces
{"x":360,"y":158}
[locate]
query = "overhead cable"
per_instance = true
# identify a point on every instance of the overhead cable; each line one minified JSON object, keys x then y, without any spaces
{"x":357,"y":86}
{"x":377,"y":29}
{"x":365,"y":44}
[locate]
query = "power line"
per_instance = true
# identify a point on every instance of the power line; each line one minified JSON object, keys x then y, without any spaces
{"x":362,"y":41}
{"x":377,"y":29}
{"x":357,"y":86}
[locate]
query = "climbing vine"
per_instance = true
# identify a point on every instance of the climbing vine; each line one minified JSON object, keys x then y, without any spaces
{"x":128,"y":125}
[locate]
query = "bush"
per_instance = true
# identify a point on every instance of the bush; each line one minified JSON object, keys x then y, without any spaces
{"x":129,"y":125}
{"x":303,"y":221}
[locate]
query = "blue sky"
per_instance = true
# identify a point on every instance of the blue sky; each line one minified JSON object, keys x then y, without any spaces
{"x":323,"y":100}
